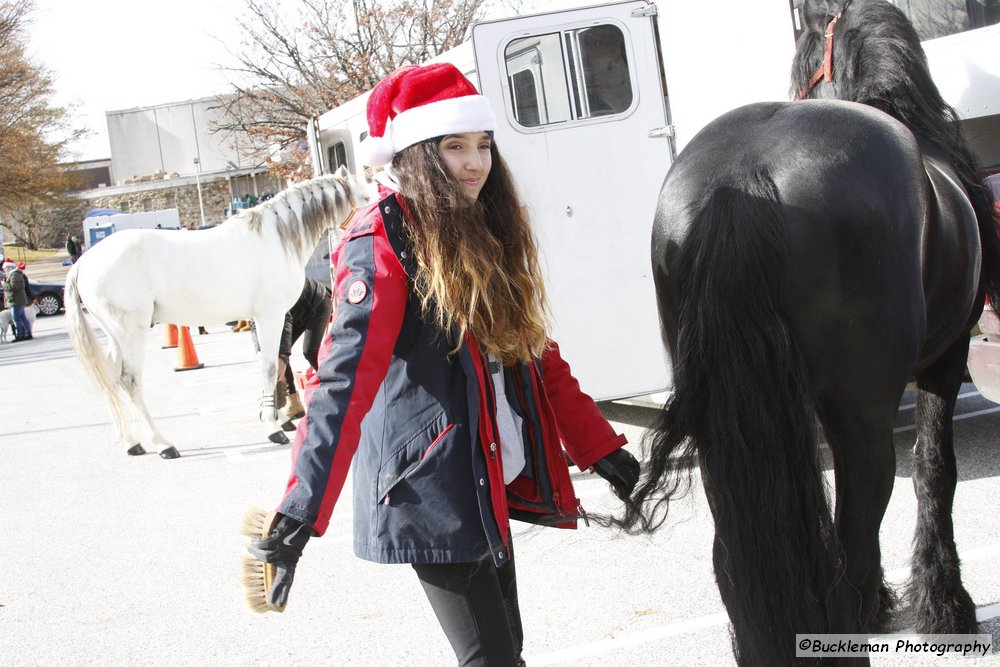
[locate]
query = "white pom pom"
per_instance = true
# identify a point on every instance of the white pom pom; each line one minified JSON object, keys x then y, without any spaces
{"x":376,"y":151}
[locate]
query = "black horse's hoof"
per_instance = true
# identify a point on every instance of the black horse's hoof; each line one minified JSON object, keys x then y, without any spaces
{"x":288,"y":426}
{"x":278,"y":438}
{"x":170,"y":453}
{"x":135,"y":450}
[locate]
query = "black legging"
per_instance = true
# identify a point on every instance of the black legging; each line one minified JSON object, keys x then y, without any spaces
{"x":311,"y":333}
{"x":476,"y":605}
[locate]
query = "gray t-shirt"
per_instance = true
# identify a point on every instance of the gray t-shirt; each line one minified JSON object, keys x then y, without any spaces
{"x":509,"y":425}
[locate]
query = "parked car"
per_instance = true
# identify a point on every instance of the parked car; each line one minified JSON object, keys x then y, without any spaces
{"x":48,"y":294}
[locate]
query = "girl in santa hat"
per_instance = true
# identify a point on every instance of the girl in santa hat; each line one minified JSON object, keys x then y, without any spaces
{"x":439,"y":374}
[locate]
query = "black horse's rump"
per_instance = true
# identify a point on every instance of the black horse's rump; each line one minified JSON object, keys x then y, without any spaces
{"x":879,"y":62}
{"x":809,"y":259}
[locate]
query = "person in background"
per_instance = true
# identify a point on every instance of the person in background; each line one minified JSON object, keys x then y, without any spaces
{"x":307,"y":319}
{"x":22,"y":267}
{"x":72,"y":248}
{"x":438,"y":379}
{"x":16,"y":296}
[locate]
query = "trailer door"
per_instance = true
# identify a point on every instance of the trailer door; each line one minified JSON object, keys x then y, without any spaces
{"x":582,"y":123}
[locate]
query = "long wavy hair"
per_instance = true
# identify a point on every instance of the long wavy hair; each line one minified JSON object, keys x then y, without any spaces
{"x":477,"y":261}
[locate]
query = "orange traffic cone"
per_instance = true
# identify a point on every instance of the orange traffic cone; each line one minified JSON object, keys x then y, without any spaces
{"x":187,"y":358}
{"x":170,"y":337}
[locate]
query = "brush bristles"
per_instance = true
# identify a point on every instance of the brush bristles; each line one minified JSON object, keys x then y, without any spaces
{"x":256,"y":523}
{"x":255,"y":583}
{"x":255,"y":575}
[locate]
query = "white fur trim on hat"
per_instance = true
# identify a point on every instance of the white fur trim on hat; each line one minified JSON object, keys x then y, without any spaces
{"x":375,"y":151}
{"x":470,"y":113}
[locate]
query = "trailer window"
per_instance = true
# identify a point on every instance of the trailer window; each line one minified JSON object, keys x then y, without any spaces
{"x":935,"y":18}
{"x":569,"y":75}
{"x":336,"y":156}
{"x":524,"y":94}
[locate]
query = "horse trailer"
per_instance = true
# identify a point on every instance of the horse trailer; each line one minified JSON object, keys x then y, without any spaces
{"x":593,"y":104}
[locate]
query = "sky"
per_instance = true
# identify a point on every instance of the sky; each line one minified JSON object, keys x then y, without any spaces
{"x":108,"y":55}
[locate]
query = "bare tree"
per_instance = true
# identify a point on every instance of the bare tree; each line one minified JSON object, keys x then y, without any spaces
{"x":300,"y":58}
{"x":31,"y":174}
{"x":45,"y":224}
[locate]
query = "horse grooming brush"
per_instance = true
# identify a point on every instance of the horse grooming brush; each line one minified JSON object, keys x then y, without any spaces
{"x":257,"y":576}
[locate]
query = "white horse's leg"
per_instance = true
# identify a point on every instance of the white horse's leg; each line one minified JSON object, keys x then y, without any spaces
{"x":268,"y":336}
{"x":132,"y":380}
{"x":126,"y":438}
{"x":131,"y":349}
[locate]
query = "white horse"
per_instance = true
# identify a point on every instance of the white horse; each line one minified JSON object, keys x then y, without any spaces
{"x":250,"y":266}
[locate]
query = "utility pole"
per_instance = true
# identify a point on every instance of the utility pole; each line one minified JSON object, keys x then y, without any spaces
{"x":197,"y":178}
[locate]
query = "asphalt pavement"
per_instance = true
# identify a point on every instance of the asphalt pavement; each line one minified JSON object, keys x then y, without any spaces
{"x":109,"y":559}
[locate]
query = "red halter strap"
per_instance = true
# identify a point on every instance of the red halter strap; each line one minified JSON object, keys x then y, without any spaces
{"x":824,"y":71}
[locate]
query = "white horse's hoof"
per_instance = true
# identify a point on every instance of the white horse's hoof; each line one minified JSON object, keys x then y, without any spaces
{"x":170,"y":453}
{"x":135,"y":450}
{"x":278,"y":438}
{"x":288,"y":425}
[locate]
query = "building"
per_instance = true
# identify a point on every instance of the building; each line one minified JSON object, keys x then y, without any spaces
{"x":169,"y":156}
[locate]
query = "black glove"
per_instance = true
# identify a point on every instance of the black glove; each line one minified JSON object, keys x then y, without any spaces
{"x":621,"y":470}
{"x":283,"y":547}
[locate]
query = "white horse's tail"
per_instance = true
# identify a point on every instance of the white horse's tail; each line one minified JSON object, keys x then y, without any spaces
{"x":88,"y":349}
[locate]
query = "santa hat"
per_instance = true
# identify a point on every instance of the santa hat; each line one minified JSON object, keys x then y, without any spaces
{"x":20,"y":265}
{"x":415,"y":103}
{"x":9,"y":265}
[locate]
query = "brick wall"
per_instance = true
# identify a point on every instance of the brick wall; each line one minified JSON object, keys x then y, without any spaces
{"x":184,"y":198}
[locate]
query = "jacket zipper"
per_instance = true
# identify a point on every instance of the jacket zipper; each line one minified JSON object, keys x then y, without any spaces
{"x":437,"y":440}
{"x":484,"y":430}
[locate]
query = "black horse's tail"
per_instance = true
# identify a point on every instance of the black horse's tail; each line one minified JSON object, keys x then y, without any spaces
{"x":742,"y":405}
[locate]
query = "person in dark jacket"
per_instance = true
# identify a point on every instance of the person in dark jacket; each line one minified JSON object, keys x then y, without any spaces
{"x":307,"y":319}
{"x":439,"y":374}
{"x":73,"y":248}
{"x":16,"y":292}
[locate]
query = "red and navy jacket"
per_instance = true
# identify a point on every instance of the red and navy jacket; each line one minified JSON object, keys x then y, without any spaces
{"x":428,"y":481}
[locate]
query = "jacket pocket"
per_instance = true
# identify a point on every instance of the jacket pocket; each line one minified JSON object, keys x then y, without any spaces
{"x":412,"y":454}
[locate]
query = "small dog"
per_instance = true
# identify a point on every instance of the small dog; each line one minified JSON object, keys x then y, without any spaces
{"x":7,"y":319}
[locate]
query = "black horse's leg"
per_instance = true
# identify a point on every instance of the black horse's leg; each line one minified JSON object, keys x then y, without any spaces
{"x":860,"y":438}
{"x":940,"y":604}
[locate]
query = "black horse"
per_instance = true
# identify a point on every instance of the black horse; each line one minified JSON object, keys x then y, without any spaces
{"x":811,"y":258}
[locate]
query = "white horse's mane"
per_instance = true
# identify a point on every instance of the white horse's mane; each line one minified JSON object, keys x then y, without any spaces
{"x":302,"y":212}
